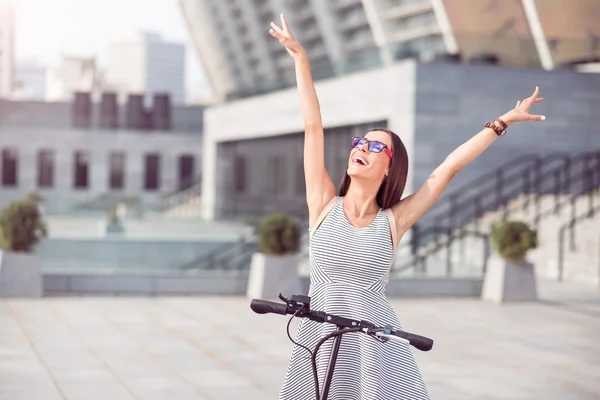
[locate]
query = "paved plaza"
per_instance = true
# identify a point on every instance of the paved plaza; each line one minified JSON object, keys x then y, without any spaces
{"x":117,"y":348}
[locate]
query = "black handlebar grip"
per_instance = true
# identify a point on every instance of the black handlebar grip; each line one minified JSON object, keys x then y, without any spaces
{"x":266,"y":307}
{"x":420,"y":342}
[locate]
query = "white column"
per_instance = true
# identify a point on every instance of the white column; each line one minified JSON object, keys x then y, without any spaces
{"x":537,"y":32}
{"x":444,"y":25}
{"x":209,"y":178}
{"x":378,"y":30}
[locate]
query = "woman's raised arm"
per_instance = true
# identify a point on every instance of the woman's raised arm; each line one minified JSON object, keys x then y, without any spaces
{"x":410,"y":209}
{"x":319,"y":187}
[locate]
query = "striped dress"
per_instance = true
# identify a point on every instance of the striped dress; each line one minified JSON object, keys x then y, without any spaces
{"x":348,"y":274}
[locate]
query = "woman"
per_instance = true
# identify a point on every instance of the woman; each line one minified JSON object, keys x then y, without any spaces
{"x":353,"y":237}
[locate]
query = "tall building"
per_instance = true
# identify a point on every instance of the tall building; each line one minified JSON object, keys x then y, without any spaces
{"x":7,"y":61}
{"x":338,"y":35}
{"x":240,"y":58}
{"x":30,"y":80}
{"x":70,"y":75}
{"x":145,"y":63}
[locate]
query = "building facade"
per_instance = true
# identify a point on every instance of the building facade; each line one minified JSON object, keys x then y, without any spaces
{"x":7,"y":52}
{"x":145,"y":63}
{"x":253,"y":162}
{"x":338,"y":35}
{"x":341,"y":36}
{"x":30,"y":79}
{"x":88,"y":156}
{"x":69,"y":75}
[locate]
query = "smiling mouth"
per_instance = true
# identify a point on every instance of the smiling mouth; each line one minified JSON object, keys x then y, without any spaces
{"x":359,"y":161}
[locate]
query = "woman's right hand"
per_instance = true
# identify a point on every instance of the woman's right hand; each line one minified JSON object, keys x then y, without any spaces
{"x":285,"y":37}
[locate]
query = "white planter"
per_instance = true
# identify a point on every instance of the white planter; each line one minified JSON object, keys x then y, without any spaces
{"x":271,"y":275}
{"x":20,"y":275}
{"x":507,"y":281}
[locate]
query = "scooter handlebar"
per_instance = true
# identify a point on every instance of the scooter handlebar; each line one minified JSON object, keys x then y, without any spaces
{"x":420,"y":342}
{"x":268,"y":307}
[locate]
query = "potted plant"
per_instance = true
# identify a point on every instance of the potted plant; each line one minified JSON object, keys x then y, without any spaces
{"x":274,"y":268}
{"x":510,"y":277}
{"x":21,"y":227}
{"x":113,"y":221}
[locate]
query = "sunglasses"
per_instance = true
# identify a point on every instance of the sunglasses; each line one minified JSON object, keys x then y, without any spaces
{"x":373,"y":145}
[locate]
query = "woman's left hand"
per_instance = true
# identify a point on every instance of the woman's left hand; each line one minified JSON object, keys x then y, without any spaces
{"x":521,"y":110}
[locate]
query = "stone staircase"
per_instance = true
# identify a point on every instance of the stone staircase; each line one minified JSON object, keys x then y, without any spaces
{"x":466,"y":256}
{"x":186,"y":204}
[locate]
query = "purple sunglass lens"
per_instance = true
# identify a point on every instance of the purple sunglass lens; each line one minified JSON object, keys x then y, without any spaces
{"x":357,"y":142}
{"x":376,"y":146}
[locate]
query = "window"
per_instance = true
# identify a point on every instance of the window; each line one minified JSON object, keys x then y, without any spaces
{"x":186,"y":171}
{"x":276,"y":175}
{"x":151,"y":171}
{"x":45,"y":169}
{"x":81,"y":170}
{"x":239,"y":169}
{"x":116,"y":177}
{"x":10,"y":164}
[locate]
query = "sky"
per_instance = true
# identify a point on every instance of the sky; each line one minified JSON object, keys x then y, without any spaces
{"x":46,"y":29}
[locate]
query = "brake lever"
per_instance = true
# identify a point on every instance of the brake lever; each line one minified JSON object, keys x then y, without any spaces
{"x":386,"y":337}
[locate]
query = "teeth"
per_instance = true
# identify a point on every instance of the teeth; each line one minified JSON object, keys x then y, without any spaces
{"x":360,"y":160}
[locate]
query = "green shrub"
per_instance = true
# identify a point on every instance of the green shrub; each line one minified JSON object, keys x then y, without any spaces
{"x":513,"y":239}
{"x":3,"y":244}
{"x":22,"y":226}
{"x":112,"y":216}
{"x":279,"y":235}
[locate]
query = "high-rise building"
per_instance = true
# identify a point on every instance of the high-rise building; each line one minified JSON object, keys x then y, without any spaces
{"x":7,"y":79}
{"x":30,"y":79}
{"x":70,"y":75}
{"x":145,"y":63}
{"x":239,"y":55}
{"x":241,"y":58}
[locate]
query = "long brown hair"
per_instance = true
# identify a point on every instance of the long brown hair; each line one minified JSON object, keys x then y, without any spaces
{"x":392,"y":187}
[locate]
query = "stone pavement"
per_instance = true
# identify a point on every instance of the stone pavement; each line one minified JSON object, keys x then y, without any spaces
{"x":215,"y":348}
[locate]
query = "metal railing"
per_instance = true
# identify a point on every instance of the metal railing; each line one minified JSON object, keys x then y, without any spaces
{"x":529,"y":175}
{"x":526,"y":175}
{"x":569,"y":176}
{"x":445,"y":239}
{"x":570,"y":227}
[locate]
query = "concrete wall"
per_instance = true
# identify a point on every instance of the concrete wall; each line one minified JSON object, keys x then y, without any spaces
{"x":212,"y":283}
{"x":102,"y":255}
{"x":233,"y":283}
{"x":274,"y":168}
{"x":362,"y":98}
{"x":58,"y":115}
{"x":62,"y":197}
{"x":433,"y":107}
{"x":453,"y":102}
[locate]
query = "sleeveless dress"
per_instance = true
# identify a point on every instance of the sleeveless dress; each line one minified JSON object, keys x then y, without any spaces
{"x":348,"y":273}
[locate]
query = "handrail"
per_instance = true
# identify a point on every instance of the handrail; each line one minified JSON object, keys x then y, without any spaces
{"x":505,"y":177}
{"x":563,"y":181}
{"x":452,"y":236}
{"x":459,"y":216}
{"x":226,"y":251}
{"x":561,"y":236}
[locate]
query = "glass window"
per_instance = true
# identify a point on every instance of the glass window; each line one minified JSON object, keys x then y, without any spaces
{"x":116,"y":177}
{"x":10,"y":165}
{"x":45,"y":169}
{"x":186,"y":171}
{"x":152,"y":171}
{"x":239,"y":169}
{"x":81,"y":170}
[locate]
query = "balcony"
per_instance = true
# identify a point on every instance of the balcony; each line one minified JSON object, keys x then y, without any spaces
{"x":406,"y":35}
{"x":343,"y":4}
{"x":407,"y":10}
{"x":353,"y":21}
